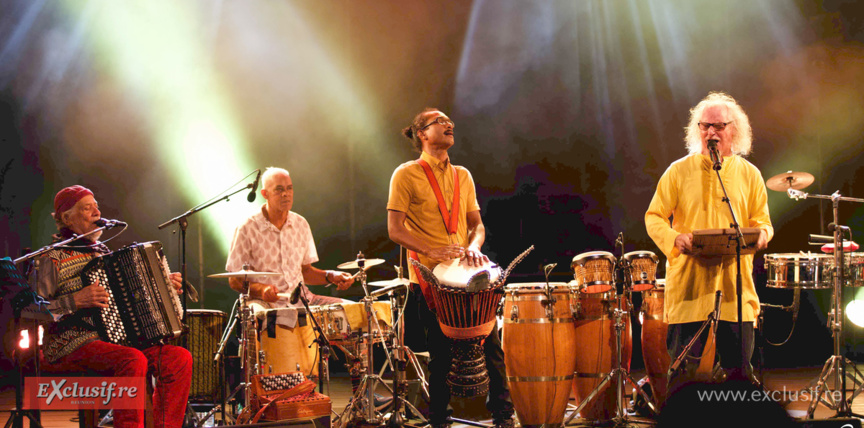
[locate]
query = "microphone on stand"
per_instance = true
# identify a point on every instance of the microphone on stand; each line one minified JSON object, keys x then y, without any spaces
{"x":718,"y":294}
{"x":715,"y":156}
{"x":251,"y":197}
{"x":295,"y":295}
{"x":107,"y":222}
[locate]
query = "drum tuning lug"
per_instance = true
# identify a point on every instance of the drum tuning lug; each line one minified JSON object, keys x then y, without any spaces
{"x":514,"y":313}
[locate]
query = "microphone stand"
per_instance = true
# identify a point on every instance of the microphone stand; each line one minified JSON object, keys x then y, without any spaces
{"x":321,"y":340}
{"x":182,"y":221}
{"x":739,"y":243}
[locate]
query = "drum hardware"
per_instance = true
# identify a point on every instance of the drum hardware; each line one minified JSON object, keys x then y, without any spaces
{"x":397,"y":290}
{"x":361,"y":408}
{"x":320,"y":339}
{"x":836,"y":364}
{"x":620,"y":374}
{"x":246,"y":327}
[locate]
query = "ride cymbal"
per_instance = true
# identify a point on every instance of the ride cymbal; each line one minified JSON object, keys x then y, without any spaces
{"x":789,"y":180}
{"x":367,"y":263}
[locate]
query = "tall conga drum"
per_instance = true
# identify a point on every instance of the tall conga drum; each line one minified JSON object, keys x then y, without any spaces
{"x":539,"y":350}
{"x":654,"y":353}
{"x":596,"y":340}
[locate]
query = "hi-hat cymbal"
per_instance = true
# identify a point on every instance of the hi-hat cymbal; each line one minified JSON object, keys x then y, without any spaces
{"x":242,"y":274}
{"x":367,"y":263}
{"x":789,"y":180}
{"x":389,"y":282}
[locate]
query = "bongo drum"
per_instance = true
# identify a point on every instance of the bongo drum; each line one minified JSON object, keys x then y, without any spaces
{"x":539,"y":350}
{"x":594,"y":271}
{"x":643,"y":269}
{"x":595,"y":337}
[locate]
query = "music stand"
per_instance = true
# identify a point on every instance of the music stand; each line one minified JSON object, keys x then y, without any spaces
{"x":720,"y":242}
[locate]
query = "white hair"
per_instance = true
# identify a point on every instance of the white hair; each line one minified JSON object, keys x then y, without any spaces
{"x":742,"y":136}
{"x":269,"y":173}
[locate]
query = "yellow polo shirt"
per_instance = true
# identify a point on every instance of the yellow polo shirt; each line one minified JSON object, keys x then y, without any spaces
{"x":411,"y":193}
{"x":689,"y":193}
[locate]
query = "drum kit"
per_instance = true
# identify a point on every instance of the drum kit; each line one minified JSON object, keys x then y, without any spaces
{"x":273,"y":341}
{"x":833,"y":271}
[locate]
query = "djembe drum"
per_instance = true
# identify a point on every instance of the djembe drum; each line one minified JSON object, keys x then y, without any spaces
{"x":466,"y":300}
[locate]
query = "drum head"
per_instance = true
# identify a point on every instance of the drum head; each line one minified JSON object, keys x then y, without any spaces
{"x":639,"y":255}
{"x":591,"y":255}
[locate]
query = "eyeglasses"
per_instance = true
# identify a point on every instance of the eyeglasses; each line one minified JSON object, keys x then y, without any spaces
{"x":719,"y":126}
{"x":440,"y":120}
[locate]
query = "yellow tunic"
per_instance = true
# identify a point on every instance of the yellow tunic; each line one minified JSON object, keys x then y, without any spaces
{"x":689,"y":192}
{"x":411,"y":193}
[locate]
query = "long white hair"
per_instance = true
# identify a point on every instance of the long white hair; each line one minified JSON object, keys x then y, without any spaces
{"x":742,"y":135}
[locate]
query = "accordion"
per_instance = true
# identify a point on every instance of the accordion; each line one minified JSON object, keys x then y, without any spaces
{"x":143,"y":308}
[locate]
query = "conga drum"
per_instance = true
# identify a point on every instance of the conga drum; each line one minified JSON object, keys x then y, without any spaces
{"x":287,"y":346}
{"x":654,"y":353}
{"x":595,"y":337}
{"x":539,"y":350}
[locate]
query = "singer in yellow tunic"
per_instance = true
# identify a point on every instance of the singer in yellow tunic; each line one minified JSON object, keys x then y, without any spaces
{"x":690,"y":194}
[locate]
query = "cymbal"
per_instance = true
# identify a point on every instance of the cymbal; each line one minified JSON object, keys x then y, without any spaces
{"x":789,"y":180}
{"x":355,"y":265}
{"x":389,"y":282}
{"x":242,"y":274}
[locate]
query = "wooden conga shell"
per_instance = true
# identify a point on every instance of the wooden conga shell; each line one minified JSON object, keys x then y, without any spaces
{"x":540,"y":354}
{"x":654,"y":353}
{"x":595,"y":337}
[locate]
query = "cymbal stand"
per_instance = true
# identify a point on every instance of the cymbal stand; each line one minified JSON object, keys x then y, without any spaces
{"x":246,"y":326}
{"x":400,"y":354}
{"x":362,"y":404}
{"x":836,"y":364}
{"x":619,"y":373}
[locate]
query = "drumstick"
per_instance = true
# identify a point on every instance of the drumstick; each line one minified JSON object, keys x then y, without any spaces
{"x":353,"y":277}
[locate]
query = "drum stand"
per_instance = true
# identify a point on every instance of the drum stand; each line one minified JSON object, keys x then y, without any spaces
{"x":361,"y":407}
{"x":836,"y":364}
{"x":400,"y":353}
{"x":619,"y":373}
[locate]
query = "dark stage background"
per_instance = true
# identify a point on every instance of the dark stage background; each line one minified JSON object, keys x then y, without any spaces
{"x":567,"y":114}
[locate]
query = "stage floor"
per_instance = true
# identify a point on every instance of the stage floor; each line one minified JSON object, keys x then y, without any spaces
{"x":789,"y":380}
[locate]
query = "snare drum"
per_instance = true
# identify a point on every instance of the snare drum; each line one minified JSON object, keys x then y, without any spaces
{"x":594,"y":271}
{"x":643,"y":269}
{"x":346,"y":322}
{"x":796,"y":270}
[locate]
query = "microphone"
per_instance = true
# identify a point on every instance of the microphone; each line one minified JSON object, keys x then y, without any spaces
{"x":295,"y":295}
{"x":716,"y":311}
{"x":548,"y":269}
{"x":251,"y":197}
{"x":107,"y":222}
{"x":715,"y":157}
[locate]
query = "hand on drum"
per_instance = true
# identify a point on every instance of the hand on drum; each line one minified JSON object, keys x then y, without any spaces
{"x":343,"y":280}
{"x":442,"y":254}
{"x":684,"y":243}
{"x":474,"y":256}
{"x":92,"y":296}
{"x":177,"y":281}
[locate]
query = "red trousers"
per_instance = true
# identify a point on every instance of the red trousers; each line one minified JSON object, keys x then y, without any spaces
{"x":170,"y":365}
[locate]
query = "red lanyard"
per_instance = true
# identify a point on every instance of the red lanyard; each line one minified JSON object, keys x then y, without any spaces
{"x":452,"y":220}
